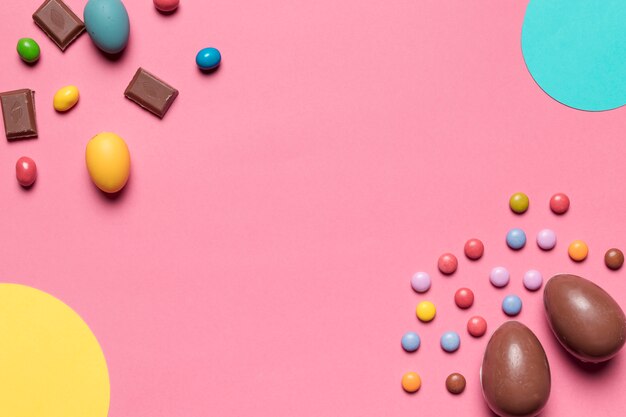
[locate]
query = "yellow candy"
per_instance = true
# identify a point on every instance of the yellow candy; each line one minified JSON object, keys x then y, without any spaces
{"x":65,"y":98}
{"x":578,"y":250}
{"x":108,"y":162}
{"x":519,"y":203}
{"x":411,"y":382}
{"x":425,"y":311}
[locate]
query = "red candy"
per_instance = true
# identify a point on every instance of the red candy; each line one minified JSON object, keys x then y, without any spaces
{"x":166,"y":5}
{"x":25,"y":171}
{"x":464,"y":297}
{"x":476,"y":326}
{"x":447,"y":263}
{"x":474,"y":249}
{"x":559,"y":203}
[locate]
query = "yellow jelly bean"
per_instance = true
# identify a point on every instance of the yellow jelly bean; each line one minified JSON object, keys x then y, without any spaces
{"x":65,"y":98}
{"x":108,"y":162}
{"x":425,"y":311}
{"x":411,"y":382}
{"x":578,"y":250}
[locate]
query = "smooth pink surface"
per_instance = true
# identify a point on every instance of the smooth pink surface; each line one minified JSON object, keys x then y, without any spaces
{"x":259,"y":260}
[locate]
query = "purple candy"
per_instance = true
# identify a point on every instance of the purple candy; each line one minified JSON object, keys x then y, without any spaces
{"x":533,"y":280}
{"x":546,"y":239}
{"x":499,"y":276}
{"x":420,"y":282}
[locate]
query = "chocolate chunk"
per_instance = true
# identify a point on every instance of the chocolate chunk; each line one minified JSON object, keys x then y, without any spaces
{"x":18,"y":111}
{"x":586,"y":319}
{"x":151,"y":93}
{"x":58,"y":22}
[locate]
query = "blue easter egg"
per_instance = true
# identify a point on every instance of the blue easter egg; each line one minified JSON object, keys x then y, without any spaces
{"x":208,"y":58}
{"x":107,"y":24}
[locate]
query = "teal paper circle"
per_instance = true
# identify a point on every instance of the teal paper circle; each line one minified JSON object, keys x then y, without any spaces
{"x":576,"y":51}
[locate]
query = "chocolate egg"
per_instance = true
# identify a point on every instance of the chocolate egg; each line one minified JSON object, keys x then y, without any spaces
{"x":515,"y":375}
{"x":586,"y":320}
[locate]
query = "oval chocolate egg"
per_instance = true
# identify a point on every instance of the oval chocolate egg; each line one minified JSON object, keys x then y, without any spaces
{"x":515,"y":374}
{"x":586,"y":320}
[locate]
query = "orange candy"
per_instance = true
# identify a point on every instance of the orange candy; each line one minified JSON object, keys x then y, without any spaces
{"x":411,"y":382}
{"x":578,"y":250}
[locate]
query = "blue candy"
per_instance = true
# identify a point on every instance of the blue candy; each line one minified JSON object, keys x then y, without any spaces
{"x":410,"y":341}
{"x":516,"y":239}
{"x":107,"y":24}
{"x":512,"y":305}
{"x":450,"y":341}
{"x":208,"y":58}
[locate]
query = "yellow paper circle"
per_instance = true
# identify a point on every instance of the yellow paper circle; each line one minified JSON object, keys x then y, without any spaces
{"x":51,"y":364}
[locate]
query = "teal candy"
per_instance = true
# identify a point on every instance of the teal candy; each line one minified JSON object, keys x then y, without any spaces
{"x":107,"y":24}
{"x":576,"y":51}
{"x":208,"y":58}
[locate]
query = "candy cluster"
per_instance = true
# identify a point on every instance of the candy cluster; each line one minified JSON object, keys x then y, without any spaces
{"x":108,"y":24}
{"x":499,"y":277}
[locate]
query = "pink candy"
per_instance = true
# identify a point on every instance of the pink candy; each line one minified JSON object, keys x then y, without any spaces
{"x":420,"y":282}
{"x":546,"y":239}
{"x":499,"y":276}
{"x":533,"y":280}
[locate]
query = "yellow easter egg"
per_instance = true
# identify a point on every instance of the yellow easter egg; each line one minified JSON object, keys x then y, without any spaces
{"x":108,"y":161}
{"x":65,"y":98}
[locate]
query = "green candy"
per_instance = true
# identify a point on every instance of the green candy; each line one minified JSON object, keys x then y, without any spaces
{"x":28,"y":50}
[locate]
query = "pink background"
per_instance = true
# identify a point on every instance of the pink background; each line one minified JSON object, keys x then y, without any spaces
{"x":258,"y":262}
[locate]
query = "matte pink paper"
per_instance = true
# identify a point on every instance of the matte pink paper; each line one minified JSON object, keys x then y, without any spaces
{"x":259,"y":261}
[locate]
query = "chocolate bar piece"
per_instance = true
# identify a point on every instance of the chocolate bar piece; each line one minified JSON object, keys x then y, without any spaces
{"x":58,"y":22}
{"x":18,"y":112}
{"x":151,"y":93}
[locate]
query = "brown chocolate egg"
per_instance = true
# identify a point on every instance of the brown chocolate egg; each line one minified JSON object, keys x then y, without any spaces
{"x":586,"y":320}
{"x":515,"y":375}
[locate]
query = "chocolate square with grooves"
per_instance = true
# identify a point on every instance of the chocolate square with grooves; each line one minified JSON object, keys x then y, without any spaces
{"x":58,"y":21}
{"x":18,"y":112}
{"x":151,"y":93}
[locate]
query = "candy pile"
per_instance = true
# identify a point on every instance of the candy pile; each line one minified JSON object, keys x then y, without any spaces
{"x":108,"y":25}
{"x":499,"y":277}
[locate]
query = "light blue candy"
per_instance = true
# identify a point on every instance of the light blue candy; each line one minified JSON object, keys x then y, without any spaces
{"x":512,"y":305}
{"x":516,"y":239}
{"x":107,"y":24}
{"x":410,"y":341}
{"x":450,"y":341}
{"x":208,"y":58}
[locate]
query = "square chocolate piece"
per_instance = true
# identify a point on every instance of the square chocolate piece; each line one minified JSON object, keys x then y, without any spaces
{"x":18,"y":112}
{"x":58,"y":22}
{"x":151,"y":93}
